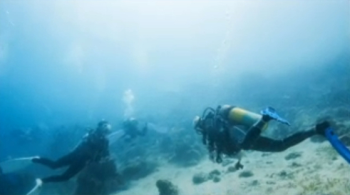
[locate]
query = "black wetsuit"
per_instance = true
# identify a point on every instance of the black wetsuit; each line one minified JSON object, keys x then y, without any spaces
{"x":93,"y":148}
{"x":254,"y":141}
{"x":226,"y":142}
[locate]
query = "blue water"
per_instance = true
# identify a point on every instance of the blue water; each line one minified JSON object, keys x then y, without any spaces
{"x":69,"y":63}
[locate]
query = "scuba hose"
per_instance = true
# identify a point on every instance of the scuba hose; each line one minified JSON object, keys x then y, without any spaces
{"x":217,"y":119}
{"x":206,"y":110}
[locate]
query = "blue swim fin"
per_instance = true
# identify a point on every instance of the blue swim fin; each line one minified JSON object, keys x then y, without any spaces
{"x":273,"y":114}
{"x":337,"y":144}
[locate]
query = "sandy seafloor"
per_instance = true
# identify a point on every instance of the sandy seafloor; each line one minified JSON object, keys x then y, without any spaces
{"x":318,"y":170}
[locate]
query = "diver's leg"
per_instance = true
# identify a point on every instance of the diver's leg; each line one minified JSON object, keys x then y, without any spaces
{"x":61,"y":162}
{"x":265,"y":144}
{"x":254,"y":132}
{"x":69,"y":173}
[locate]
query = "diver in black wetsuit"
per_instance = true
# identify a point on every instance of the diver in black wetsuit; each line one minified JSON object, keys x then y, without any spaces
{"x":93,"y":148}
{"x":132,"y":130}
{"x":218,"y":129}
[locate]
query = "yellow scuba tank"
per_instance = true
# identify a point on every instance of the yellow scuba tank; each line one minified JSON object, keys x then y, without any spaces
{"x":239,"y":116}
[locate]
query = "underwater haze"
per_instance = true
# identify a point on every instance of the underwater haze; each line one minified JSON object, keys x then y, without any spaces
{"x":73,"y":63}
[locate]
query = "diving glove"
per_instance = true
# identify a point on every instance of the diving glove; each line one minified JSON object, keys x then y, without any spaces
{"x":271,"y":113}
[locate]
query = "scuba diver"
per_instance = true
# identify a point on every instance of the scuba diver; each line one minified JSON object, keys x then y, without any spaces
{"x":94,"y":147}
{"x":132,"y":130}
{"x":222,"y":131}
